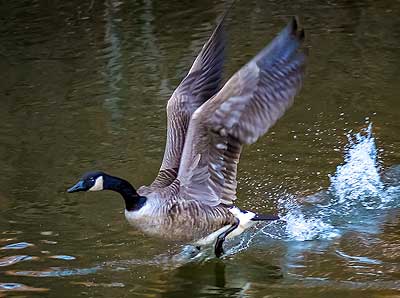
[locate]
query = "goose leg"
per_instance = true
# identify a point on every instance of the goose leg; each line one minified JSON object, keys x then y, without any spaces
{"x":219,"y":250}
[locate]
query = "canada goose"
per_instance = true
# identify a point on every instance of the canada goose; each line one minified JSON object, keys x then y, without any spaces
{"x":192,"y":197}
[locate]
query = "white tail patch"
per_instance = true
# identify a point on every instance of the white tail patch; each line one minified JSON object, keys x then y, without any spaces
{"x":98,"y":185}
{"x":245,"y":221}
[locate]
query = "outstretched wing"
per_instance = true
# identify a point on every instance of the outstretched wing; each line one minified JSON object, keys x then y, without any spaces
{"x":200,"y":84}
{"x":242,"y":111}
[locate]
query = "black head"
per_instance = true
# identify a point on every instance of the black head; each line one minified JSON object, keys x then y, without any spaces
{"x":91,"y":181}
{"x":95,"y":181}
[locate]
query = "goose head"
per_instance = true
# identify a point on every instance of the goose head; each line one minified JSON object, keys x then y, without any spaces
{"x":96,"y":181}
{"x":91,"y":181}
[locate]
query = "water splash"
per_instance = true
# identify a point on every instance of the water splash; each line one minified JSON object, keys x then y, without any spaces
{"x":354,"y":200}
{"x":301,"y":225}
{"x":358,"y":179}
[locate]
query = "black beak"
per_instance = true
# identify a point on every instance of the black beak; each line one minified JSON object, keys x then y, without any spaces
{"x":77,"y":187}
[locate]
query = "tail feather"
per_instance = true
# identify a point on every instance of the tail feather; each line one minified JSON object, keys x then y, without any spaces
{"x":247,"y":219}
{"x":260,"y":217}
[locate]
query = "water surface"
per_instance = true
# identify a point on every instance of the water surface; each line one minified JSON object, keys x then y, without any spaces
{"x":84,"y":86}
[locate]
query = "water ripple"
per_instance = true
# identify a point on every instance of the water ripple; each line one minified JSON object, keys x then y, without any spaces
{"x":90,"y":284}
{"x":53,"y":272}
{"x":19,"y":245}
{"x":358,"y":259}
{"x":63,"y":257}
{"x":19,"y":287}
{"x":11,"y":260}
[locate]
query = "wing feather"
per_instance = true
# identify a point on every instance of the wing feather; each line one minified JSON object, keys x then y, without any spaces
{"x":200,"y":84}
{"x":242,"y":111}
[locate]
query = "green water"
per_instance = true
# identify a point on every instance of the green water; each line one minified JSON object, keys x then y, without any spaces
{"x":84,"y":86}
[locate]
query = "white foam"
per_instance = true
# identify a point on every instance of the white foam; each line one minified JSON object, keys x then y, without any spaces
{"x":301,"y":227}
{"x":358,"y":179}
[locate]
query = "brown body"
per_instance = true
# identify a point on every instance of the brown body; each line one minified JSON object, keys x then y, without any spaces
{"x":175,"y":219}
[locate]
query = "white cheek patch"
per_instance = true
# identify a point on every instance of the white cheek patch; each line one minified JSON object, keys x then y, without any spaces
{"x":98,"y":185}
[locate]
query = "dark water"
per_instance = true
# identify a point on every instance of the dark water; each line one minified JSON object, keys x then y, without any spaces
{"x":84,"y":86}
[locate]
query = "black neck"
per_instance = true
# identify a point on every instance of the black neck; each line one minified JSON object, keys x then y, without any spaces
{"x":133,"y":201}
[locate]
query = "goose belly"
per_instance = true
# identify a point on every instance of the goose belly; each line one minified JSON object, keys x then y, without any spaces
{"x":185,"y":222}
{"x":146,"y":219}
